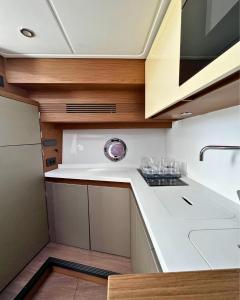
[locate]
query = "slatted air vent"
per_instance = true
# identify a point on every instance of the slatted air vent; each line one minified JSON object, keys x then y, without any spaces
{"x":91,"y":108}
{"x":81,"y":108}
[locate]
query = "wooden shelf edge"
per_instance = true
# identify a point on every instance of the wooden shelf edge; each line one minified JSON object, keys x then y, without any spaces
{"x":116,"y":125}
{"x":89,"y":182}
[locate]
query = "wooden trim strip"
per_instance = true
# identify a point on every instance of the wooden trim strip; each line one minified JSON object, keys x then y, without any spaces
{"x":89,"y":182}
{"x":94,"y":118}
{"x":117,"y":125}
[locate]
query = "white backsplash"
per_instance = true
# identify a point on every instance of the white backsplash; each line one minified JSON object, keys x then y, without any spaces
{"x":86,"y":146}
{"x":220,"y":169}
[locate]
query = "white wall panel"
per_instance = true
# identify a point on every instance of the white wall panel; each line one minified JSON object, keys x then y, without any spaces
{"x":86,"y":146}
{"x":220,"y":169}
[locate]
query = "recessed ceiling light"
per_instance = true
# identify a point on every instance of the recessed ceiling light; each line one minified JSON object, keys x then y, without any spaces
{"x":27,"y":32}
{"x":186,"y":114}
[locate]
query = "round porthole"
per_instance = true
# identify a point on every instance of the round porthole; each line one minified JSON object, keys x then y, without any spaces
{"x":115,"y":149}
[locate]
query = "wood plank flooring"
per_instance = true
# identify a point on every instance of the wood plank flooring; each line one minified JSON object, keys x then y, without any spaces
{"x":73,"y":286}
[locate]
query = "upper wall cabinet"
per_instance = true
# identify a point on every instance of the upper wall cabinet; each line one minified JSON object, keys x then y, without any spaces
{"x":37,"y":16}
{"x":161,"y":75}
{"x":197,"y":46}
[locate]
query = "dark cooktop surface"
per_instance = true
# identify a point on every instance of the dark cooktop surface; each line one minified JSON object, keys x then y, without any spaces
{"x":161,"y":181}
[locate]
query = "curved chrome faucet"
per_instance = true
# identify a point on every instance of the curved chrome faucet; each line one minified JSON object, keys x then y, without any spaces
{"x":216,"y":147}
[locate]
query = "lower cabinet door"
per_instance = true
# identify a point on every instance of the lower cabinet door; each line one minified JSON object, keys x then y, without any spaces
{"x":109,"y":211}
{"x":142,"y":255}
{"x":68,"y":214}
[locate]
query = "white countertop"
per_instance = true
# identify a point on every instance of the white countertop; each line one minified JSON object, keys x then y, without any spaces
{"x":169,"y":229}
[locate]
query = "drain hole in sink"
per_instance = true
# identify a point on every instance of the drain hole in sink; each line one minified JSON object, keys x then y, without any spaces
{"x":187,"y":201}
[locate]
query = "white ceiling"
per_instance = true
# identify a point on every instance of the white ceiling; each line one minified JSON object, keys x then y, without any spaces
{"x":80,"y":28}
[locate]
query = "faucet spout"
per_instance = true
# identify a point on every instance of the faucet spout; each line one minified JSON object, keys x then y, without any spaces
{"x":216,"y":147}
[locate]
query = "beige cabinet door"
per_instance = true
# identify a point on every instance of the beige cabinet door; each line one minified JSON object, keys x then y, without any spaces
{"x":23,"y":216}
{"x":19,"y":123}
{"x":162,"y":89}
{"x":142,"y":253}
{"x":68,"y":214}
{"x":109,"y":210}
{"x":162,"y":63}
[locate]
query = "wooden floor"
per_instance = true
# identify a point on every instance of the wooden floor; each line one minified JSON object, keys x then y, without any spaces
{"x":62,"y":287}
{"x":91,"y":258}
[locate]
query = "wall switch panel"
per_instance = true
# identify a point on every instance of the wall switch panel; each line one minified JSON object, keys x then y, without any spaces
{"x":1,"y":81}
{"x":49,"y":142}
{"x":51,"y":161}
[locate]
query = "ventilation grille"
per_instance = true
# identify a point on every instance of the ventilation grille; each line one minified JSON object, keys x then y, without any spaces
{"x":91,"y":108}
{"x":80,"y":108}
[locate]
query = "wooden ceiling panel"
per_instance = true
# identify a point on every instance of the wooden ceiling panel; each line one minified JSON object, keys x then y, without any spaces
{"x":76,"y":71}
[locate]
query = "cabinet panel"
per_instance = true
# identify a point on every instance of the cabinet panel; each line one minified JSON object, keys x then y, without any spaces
{"x":19,"y":123}
{"x":142,"y":256}
{"x":68,"y":214}
{"x":23,"y":216}
{"x":110,"y":220}
{"x":162,"y":89}
{"x":162,"y":63}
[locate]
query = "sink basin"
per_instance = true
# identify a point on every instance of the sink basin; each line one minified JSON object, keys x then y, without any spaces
{"x":219,"y":247}
{"x":193,"y":206}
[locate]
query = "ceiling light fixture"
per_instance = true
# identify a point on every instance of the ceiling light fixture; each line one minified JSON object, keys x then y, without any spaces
{"x":27,"y":32}
{"x":186,"y":114}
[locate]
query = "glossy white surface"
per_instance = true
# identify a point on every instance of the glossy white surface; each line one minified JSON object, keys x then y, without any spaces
{"x":225,"y":246}
{"x":80,"y":28}
{"x":34,"y":15}
{"x":193,"y":204}
{"x":107,"y":27}
{"x":87,"y":146}
{"x":169,"y":234}
{"x":220,"y":169}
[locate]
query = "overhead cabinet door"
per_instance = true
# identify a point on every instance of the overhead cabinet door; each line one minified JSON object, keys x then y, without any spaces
{"x":109,"y":210}
{"x":162,"y":63}
{"x":68,"y":214}
{"x":19,"y":123}
{"x":23,"y":217}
